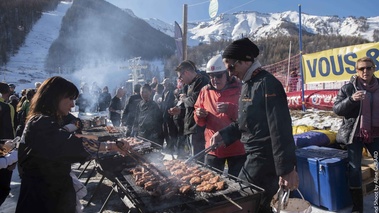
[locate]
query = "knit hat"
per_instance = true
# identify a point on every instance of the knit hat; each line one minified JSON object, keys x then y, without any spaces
{"x":241,"y":49}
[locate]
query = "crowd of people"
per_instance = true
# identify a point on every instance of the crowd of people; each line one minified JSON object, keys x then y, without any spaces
{"x":235,"y":106}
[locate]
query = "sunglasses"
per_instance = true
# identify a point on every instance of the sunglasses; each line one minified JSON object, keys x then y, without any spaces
{"x":219,"y":75}
{"x":365,"y":68}
{"x":181,"y":75}
{"x":232,"y":67}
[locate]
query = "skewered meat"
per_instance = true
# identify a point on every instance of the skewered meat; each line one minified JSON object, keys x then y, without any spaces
{"x":195,"y":180}
{"x":150,"y":185}
{"x":201,"y":173}
{"x":214,"y":179}
{"x":137,"y":169}
{"x":207,"y":176}
{"x":179,"y":173}
{"x":220,"y":185}
{"x":188,"y":177}
{"x":205,"y":188}
{"x":192,"y":168}
{"x":111,"y":129}
{"x":185,"y":189}
{"x":140,"y":182}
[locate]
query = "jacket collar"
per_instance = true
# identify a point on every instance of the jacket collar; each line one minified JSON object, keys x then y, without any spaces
{"x":250,"y":71}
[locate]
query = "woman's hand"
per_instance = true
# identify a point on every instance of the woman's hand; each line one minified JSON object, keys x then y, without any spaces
{"x":201,"y":112}
{"x":222,"y":107}
{"x":359,"y":95}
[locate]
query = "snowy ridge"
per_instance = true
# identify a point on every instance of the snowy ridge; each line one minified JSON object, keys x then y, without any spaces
{"x":260,"y":25}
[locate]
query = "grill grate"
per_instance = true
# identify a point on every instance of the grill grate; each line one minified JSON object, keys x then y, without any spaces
{"x":235,"y":189}
{"x":237,"y":193}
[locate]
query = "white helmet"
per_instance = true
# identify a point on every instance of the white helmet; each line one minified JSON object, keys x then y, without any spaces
{"x":215,"y":64}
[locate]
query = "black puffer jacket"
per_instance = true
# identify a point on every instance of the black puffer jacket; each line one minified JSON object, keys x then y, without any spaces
{"x":349,"y":109}
{"x":192,"y":93}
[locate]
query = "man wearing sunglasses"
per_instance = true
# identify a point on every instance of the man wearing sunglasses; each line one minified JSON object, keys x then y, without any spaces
{"x":264,"y":124}
{"x":188,"y":74}
{"x":217,"y":107}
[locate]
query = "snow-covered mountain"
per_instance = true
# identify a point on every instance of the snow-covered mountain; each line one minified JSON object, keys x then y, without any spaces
{"x":259,"y":25}
{"x":27,"y":66}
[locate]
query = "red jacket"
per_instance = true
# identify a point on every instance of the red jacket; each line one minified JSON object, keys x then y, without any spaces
{"x":215,"y":121}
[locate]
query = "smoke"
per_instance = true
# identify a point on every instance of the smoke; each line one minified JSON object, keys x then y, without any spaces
{"x":94,"y":40}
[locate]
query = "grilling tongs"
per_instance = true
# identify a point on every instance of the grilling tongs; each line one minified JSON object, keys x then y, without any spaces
{"x":202,"y":153}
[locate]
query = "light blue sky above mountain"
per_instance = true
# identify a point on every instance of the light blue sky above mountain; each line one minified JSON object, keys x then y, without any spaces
{"x":172,"y":10}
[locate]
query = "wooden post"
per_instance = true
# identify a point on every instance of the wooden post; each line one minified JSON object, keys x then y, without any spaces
{"x":185,"y":12}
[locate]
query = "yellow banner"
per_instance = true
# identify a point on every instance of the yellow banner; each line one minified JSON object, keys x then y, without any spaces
{"x":337,"y":64}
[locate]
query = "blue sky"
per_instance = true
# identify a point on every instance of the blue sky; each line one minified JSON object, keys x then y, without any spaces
{"x":172,"y":10}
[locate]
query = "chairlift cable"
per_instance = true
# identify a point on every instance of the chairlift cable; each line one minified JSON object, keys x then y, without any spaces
{"x":238,"y":6}
{"x":198,"y":3}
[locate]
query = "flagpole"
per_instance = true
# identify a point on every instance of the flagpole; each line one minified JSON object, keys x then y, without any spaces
{"x":184,"y":39}
{"x":288,"y":69}
{"x":301,"y":61}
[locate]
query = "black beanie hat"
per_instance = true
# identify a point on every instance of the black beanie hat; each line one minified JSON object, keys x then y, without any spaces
{"x":241,"y":49}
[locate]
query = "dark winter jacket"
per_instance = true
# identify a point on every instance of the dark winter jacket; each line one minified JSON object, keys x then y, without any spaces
{"x":149,"y":121}
{"x":168,"y":101}
{"x":192,"y":93}
{"x":45,"y":159}
{"x":349,"y":109}
{"x":115,"y":110}
{"x":264,"y":123}
{"x":130,"y":110}
{"x":7,"y":114}
{"x":104,"y":101}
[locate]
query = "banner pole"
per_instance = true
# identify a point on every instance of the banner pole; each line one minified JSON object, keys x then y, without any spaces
{"x":301,"y":61}
{"x":288,"y":69}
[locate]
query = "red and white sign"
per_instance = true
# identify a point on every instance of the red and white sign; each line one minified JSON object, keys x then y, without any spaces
{"x":316,"y":99}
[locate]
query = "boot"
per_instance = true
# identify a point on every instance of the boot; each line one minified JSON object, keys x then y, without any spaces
{"x":357,"y":197}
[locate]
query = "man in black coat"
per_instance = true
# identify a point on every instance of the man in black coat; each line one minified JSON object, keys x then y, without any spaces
{"x":188,"y":74}
{"x":170,"y":131}
{"x":130,"y":110}
{"x":115,"y":108}
{"x":264,"y":124}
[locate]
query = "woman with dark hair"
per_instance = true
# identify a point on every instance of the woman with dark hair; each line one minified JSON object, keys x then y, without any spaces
{"x":49,"y":145}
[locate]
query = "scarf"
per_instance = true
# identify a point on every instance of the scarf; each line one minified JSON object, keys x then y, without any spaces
{"x":252,"y":68}
{"x":369,"y":119}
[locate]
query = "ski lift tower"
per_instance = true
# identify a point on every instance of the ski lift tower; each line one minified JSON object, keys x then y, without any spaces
{"x":136,"y":67}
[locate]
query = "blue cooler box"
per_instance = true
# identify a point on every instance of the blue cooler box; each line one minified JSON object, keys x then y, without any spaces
{"x":323,"y":177}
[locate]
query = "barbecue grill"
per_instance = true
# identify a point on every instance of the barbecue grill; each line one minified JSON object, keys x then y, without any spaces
{"x":103,"y":135}
{"x":238,"y":196}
